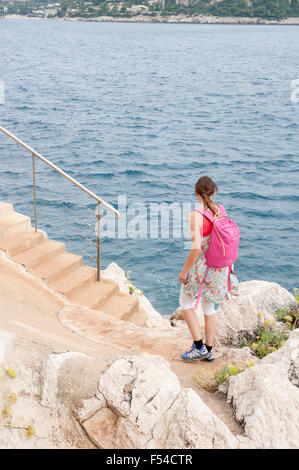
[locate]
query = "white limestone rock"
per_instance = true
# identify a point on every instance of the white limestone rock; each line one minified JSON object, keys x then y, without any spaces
{"x":127,"y":436}
{"x":294,"y":370}
{"x":78,"y":380}
{"x":52,"y":370}
{"x":139,"y":388}
{"x":265,"y":399}
{"x":237,"y":318}
{"x":267,"y":404}
{"x":153,"y":318}
{"x":240,"y":356}
{"x":54,"y":427}
{"x":90,"y":407}
{"x":151,"y":410}
{"x":6,"y":341}
{"x":116,"y":273}
{"x":190,"y":424}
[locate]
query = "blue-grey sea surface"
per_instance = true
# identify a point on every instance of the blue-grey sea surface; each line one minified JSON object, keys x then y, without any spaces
{"x":144,"y":110}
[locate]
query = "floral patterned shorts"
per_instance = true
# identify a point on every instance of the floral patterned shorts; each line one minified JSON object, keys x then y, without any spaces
{"x":215,"y":289}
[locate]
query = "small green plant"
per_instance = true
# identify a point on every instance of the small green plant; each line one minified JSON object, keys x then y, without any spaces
{"x":223,"y":374}
{"x":282,"y":313}
{"x":211,"y":380}
{"x":290,"y":316}
{"x":267,"y":340}
{"x":132,"y":288}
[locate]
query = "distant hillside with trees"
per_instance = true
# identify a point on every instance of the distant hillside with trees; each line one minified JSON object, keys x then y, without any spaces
{"x":266,"y":9}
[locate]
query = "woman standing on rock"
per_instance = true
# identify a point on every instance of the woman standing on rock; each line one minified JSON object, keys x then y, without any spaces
{"x":198,"y":277}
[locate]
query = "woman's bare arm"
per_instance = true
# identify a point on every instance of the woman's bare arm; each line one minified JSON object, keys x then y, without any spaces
{"x":195,"y":220}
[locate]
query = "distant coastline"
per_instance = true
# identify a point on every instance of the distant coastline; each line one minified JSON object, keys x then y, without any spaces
{"x":183,"y":19}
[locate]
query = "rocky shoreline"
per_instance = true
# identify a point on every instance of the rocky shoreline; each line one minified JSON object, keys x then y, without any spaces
{"x":134,"y":392}
{"x":172,"y":19}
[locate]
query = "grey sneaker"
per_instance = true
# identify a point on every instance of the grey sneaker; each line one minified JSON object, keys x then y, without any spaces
{"x":194,"y":354}
{"x":210,"y":357}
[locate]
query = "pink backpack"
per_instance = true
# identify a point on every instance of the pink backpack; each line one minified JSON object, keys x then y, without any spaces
{"x":224,"y":244}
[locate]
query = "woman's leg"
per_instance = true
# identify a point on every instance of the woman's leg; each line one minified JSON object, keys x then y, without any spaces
{"x":210,"y":321}
{"x":190,"y":317}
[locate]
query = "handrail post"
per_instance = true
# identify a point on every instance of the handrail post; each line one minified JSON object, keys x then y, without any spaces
{"x":34,"y":191}
{"x":99,"y":242}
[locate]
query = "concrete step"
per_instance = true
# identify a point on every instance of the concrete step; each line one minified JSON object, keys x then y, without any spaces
{"x":19,"y":242}
{"x":39,"y":254}
{"x":120,"y":306}
{"x":75,"y":281}
{"x":5,"y":207}
{"x":137,"y":316}
{"x":58,"y":267}
{"x":12,"y":223}
{"x":94,"y":294}
{"x":64,"y":272}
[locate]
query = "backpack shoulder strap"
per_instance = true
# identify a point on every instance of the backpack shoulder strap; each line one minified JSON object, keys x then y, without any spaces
{"x":222,"y":210}
{"x":206,"y":213}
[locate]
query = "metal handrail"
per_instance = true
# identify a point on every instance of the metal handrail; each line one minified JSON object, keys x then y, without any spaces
{"x":72,"y":180}
{"x":61,"y":172}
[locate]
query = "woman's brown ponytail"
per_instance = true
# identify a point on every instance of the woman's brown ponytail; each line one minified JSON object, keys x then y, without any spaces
{"x":205,"y":187}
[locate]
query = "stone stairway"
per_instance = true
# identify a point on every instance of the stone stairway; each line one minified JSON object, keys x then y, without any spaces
{"x":62,"y":271}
